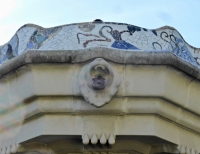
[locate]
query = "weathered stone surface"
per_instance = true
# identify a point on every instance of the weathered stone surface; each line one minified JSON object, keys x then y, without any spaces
{"x":70,"y":56}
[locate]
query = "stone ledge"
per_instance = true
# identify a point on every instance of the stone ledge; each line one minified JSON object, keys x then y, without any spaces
{"x":118,"y":106}
{"x":117,"y":56}
{"x":131,"y":125}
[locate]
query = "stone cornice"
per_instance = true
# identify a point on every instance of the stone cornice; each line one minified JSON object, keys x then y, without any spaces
{"x":117,"y":56}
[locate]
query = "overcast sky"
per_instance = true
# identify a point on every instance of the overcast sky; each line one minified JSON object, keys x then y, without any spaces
{"x":184,"y":15}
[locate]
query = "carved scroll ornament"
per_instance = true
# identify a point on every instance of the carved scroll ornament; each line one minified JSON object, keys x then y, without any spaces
{"x":98,"y":82}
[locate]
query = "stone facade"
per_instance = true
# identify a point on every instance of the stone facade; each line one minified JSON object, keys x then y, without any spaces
{"x":99,"y":88}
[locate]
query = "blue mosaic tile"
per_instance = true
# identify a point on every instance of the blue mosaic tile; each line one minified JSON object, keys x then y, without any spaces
{"x":99,"y":34}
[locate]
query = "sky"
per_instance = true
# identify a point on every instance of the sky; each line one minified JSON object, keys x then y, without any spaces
{"x":183,"y":15}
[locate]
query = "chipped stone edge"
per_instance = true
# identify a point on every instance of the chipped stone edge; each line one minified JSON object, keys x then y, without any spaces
{"x":115,"y":55}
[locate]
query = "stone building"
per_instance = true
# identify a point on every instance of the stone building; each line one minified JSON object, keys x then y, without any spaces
{"x":99,"y":87}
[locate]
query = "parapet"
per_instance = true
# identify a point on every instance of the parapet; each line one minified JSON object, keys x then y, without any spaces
{"x":99,"y":34}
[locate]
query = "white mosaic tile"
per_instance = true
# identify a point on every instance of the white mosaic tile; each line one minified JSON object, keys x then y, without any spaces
{"x":24,"y":36}
{"x":88,"y":35}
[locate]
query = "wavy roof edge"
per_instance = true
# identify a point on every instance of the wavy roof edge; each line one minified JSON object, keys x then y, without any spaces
{"x":159,"y":28}
{"x":113,"y":35}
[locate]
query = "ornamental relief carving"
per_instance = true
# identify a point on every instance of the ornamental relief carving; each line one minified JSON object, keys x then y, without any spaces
{"x":98,"y":82}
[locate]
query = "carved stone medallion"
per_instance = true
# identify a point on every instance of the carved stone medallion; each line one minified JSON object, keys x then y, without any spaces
{"x":98,"y":82}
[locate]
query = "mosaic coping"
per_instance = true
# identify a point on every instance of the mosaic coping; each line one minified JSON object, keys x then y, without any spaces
{"x":112,"y":35}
